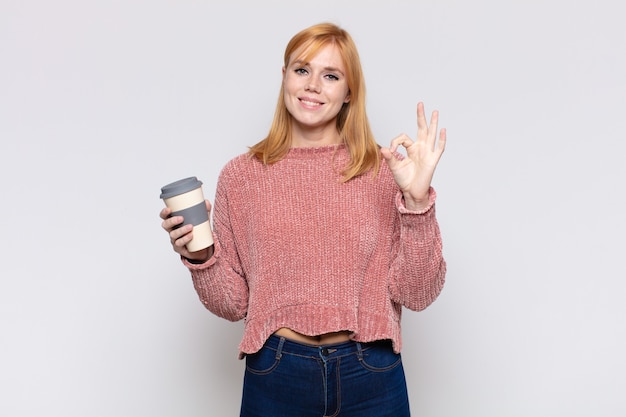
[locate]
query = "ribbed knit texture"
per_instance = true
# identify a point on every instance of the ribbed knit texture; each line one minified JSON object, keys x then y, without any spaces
{"x":295,"y":247}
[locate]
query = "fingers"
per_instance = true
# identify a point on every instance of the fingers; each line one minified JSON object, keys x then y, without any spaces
{"x":165,"y":213}
{"x":400,"y":140}
{"x":427,"y":132}
{"x":170,"y":222}
{"x":180,"y":235}
{"x":422,"y":123}
{"x":172,"y":226}
{"x":441,"y":145}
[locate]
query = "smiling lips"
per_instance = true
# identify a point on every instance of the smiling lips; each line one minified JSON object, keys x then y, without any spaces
{"x":310,"y":102}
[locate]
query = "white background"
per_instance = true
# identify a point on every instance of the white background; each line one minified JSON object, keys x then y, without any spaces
{"x":103,"y":102}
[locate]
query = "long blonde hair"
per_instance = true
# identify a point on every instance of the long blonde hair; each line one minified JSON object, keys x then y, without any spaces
{"x":352,"y":122}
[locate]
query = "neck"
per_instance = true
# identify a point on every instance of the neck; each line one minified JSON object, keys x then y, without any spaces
{"x":314,"y":137}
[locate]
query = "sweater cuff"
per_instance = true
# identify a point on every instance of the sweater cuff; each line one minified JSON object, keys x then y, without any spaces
{"x":432,"y":196}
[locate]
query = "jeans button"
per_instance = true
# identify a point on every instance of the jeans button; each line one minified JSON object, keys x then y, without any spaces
{"x":325,"y":351}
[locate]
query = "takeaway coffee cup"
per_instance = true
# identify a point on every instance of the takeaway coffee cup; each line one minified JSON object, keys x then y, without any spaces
{"x":186,"y":199}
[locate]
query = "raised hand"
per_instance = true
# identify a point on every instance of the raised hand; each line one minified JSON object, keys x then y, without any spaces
{"x":414,"y":173}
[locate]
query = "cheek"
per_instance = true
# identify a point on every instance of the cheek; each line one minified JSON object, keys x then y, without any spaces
{"x":290,"y":83}
{"x":341,"y":92}
{"x":288,"y":100}
{"x":290,"y":93}
{"x":289,"y":88}
{"x":343,"y":95}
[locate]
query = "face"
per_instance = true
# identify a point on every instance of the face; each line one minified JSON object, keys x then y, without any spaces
{"x":315,"y":92}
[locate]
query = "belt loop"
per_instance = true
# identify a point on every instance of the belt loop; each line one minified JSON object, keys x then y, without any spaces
{"x":279,"y":351}
{"x":359,"y":351}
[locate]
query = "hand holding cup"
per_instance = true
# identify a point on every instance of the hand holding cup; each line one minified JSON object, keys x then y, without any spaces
{"x":186,"y":218}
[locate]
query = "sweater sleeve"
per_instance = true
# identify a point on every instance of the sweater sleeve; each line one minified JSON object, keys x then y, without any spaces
{"x":220,"y":282}
{"x":418,"y":269}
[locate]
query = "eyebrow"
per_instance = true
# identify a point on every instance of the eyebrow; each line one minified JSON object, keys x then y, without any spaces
{"x":331,"y":69}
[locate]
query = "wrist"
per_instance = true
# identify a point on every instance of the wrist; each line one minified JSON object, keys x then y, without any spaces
{"x":416,"y":204}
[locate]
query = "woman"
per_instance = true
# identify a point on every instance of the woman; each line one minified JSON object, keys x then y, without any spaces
{"x":319,"y":243}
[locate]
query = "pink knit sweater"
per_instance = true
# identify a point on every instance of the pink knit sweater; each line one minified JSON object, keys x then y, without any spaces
{"x":297,"y":248}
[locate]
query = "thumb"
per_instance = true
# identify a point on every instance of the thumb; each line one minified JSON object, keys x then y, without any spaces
{"x":392,"y":158}
{"x":386,"y":153}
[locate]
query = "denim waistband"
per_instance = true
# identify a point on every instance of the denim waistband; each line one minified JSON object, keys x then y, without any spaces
{"x":282,"y":345}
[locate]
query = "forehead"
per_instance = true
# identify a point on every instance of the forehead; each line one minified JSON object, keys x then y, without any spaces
{"x":327,"y":55}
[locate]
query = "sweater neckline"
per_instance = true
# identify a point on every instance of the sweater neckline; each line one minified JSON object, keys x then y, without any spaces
{"x":314,"y":151}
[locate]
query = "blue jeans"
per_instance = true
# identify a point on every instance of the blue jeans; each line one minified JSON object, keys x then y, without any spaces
{"x":349,"y":379}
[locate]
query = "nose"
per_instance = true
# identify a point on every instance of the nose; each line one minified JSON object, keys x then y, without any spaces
{"x":313,"y":86}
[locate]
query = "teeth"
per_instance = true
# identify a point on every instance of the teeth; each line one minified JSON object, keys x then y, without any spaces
{"x":310,"y":103}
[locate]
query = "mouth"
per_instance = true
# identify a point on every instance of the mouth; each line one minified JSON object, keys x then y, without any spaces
{"x":310,"y":102}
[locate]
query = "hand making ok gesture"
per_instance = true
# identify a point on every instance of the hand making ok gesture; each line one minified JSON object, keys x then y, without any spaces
{"x":414,"y":173}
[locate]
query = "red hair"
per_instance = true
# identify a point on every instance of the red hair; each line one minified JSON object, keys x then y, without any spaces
{"x":352,"y":122}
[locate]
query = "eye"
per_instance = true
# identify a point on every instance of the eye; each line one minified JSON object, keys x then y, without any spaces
{"x":301,"y":71}
{"x":332,"y":77}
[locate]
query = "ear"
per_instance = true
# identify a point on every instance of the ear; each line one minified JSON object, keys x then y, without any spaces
{"x":347,"y":99}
